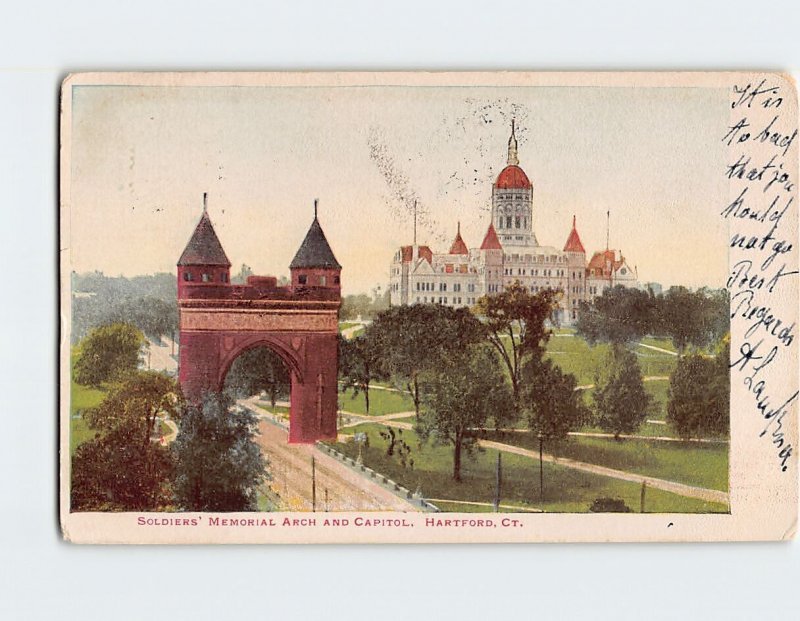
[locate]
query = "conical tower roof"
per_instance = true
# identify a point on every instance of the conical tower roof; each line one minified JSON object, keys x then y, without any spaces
{"x":459,"y":247}
{"x":315,"y":251}
{"x":204,"y":247}
{"x":574,"y":240}
{"x":490,"y":240}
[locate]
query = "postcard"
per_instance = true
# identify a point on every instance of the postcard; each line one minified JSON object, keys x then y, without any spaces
{"x":428,"y":307}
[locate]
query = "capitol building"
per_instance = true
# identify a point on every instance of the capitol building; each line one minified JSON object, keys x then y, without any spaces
{"x":509,"y":253}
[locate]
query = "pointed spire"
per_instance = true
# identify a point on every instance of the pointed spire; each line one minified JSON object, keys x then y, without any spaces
{"x":315,"y":251}
{"x":513,"y":158}
{"x":574,"y":240}
{"x":459,"y":247}
{"x":415,"y":222}
{"x":204,"y":247}
{"x":490,"y":240}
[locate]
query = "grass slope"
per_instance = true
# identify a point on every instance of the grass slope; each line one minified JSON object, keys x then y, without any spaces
{"x":566,"y":490}
{"x":380,"y":402}
{"x":701,"y":465}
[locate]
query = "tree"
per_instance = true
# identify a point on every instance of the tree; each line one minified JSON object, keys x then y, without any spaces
{"x":219,"y":465}
{"x":459,"y":397}
{"x":620,"y":401}
{"x":360,"y":364}
{"x":699,"y":395}
{"x":153,"y":316}
{"x":621,"y":315}
{"x":609,"y":505}
{"x":413,"y":339}
{"x":107,"y":353}
{"x":698,"y":318}
{"x":550,"y":404}
{"x":255,"y":370}
{"x":123,"y":468}
{"x":515,"y":323}
{"x":148,"y":302}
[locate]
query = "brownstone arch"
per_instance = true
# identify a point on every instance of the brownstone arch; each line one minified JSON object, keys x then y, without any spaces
{"x":299,"y":322}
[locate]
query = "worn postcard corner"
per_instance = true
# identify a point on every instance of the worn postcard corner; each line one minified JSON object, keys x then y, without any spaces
{"x":428,"y":307}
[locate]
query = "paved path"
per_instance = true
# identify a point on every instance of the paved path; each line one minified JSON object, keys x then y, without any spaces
{"x":290,"y":467}
{"x":649,"y":378}
{"x":660,"y":349}
{"x":170,"y":437}
{"x":363,"y":418}
{"x":389,"y":388}
{"x":593,"y":434}
{"x":160,"y":357}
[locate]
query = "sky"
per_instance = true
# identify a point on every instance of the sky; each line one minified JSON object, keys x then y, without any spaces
{"x":142,"y":157}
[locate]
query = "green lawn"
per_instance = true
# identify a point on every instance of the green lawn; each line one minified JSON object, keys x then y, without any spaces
{"x":702,"y":465}
{"x":574,"y":355}
{"x":658,"y":392}
{"x":280,"y":410}
{"x":81,"y":398}
{"x":359,"y":328}
{"x":380,"y":402}
{"x":566,"y":490}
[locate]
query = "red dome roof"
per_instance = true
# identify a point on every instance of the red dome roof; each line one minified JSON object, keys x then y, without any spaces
{"x":512,"y":177}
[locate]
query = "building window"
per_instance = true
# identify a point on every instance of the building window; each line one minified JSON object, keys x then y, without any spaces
{"x":187,"y":276}
{"x":323,"y":280}
{"x":508,"y":222}
{"x":302,"y":279}
{"x":336,"y":280}
{"x":207,"y":277}
{"x":223,"y":277}
{"x":518,"y":222}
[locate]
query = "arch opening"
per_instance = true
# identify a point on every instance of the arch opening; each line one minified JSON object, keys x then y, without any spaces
{"x":259,"y":371}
